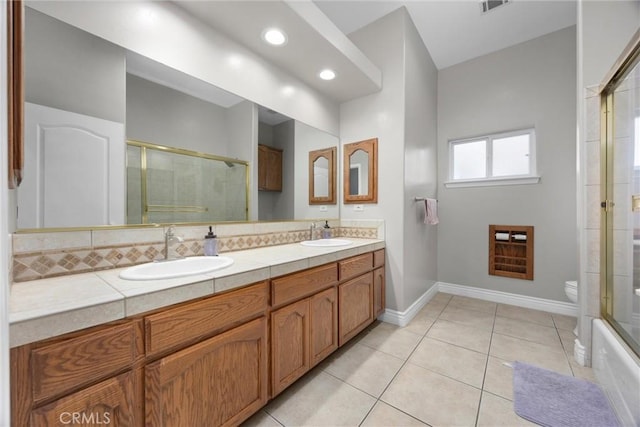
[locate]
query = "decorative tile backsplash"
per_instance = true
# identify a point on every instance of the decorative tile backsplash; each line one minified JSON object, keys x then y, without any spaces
{"x":42,"y":255}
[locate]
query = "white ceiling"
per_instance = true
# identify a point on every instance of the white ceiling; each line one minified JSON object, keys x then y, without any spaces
{"x":453,"y":31}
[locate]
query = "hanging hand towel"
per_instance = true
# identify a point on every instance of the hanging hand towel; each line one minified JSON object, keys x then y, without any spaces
{"x":431,"y":211}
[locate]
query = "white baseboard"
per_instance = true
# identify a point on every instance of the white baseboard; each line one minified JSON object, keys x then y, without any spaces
{"x":402,"y":318}
{"x":552,"y":306}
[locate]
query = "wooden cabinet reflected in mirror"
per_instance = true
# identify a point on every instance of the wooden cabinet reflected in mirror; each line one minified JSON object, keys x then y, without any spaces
{"x":361,"y":172}
{"x":322,"y":176}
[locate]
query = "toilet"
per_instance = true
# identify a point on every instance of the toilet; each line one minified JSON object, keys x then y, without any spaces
{"x":571,"y":289}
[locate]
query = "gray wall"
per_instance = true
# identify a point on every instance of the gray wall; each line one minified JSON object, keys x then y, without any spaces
{"x":420,"y":166}
{"x":161,"y":115}
{"x":402,"y":116}
{"x":72,"y":70}
{"x":278,"y":205}
{"x":607,"y":27}
{"x":529,"y":85}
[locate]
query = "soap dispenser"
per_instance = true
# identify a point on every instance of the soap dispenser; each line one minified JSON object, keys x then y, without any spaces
{"x":210,"y":244}
{"x":326,"y":231}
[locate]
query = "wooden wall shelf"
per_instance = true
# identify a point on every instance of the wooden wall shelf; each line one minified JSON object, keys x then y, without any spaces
{"x":511,"y":251}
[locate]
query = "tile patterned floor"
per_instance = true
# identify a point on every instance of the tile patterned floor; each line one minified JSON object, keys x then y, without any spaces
{"x":446,"y":368}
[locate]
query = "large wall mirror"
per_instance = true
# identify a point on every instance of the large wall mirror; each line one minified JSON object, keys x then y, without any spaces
{"x":360,"y":176}
{"x":73,"y":74}
{"x":322,"y":176}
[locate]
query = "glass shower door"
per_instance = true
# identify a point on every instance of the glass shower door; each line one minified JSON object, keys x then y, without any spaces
{"x":621,"y":293}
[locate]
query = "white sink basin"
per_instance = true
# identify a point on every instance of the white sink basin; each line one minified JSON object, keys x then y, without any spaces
{"x":323,"y":243}
{"x":176,"y":268}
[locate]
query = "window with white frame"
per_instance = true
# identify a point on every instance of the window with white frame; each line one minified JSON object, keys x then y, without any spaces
{"x":497,"y":159}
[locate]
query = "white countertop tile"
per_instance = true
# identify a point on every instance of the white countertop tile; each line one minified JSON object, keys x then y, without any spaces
{"x":39,"y":298}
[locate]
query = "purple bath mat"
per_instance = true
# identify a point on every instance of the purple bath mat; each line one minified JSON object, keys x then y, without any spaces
{"x":554,"y":400}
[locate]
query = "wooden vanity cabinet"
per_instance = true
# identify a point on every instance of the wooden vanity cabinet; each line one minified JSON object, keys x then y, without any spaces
{"x":290,"y":359}
{"x":379,"y":297}
{"x":355,"y":299}
{"x":210,"y":362}
{"x":304,"y":331}
{"x":218,"y":376}
{"x":87,"y":376}
{"x":359,"y":289}
{"x":324,"y":324}
{"x":218,"y":382}
{"x":109,"y":402}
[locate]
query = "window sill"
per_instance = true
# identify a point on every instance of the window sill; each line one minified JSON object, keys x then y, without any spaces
{"x":490,"y":182}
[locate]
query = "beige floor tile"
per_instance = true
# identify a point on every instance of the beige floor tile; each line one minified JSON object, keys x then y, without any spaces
{"x":512,"y":349}
{"x":496,"y":411}
{"x":364,"y":368}
{"x":390,"y":339}
{"x":383,"y":415}
{"x":421,"y":323}
{"x":582,"y":371}
{"x":461,"y":335}
{"x":527,"y":331}
{"x":433,"y":308}
{"x":525,"y":314}
{"x":473,"y":304}
{"x":433,"y":398}
{"x":499,"y":378}
{"x":261,"y":419}
{"x":473,"y":318}
{"x":567,"y":323}
{"x":456,"y":362}
{"x":319,"y":399}
{"x":442,"y":297}
{"x":568,"y":340}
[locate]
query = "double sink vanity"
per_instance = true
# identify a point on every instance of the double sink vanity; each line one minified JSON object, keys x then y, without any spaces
{"x":248,"y":325}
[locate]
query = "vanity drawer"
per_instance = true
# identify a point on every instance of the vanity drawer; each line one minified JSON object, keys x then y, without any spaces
{"x":71,"y":363}
{"x":299,"y":285}
{"x":378,"y":258}
{"x":187,"y":323}
{"x":356,"y":265}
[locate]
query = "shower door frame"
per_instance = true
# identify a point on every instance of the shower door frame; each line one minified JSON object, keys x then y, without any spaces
{"x":629,"y":59}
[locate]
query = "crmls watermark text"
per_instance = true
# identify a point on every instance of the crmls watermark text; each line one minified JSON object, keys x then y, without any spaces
{"x":84,"y":418}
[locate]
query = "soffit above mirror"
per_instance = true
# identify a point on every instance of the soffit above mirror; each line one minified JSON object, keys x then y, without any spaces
{"x":307,"y":30}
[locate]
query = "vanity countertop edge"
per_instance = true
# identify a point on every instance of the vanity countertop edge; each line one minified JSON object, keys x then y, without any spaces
{"x":46,"y":308}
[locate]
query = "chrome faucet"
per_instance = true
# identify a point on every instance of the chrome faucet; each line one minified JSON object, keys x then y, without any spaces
{"x":312,"y":231}
{"x":170,"y":238}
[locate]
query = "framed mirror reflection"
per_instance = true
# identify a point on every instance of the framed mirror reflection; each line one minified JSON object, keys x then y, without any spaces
{"x":129,"y":96}
{"x":322,"y":176}
{"x":360,"y":177}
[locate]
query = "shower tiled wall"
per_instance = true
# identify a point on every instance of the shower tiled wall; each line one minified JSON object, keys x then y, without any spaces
{"x":589,"y":289}
{"x":41,"y":255}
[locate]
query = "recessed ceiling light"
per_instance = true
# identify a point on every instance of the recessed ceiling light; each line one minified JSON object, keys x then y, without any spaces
{"x":274,"y":36}
{"x":327,"y":74}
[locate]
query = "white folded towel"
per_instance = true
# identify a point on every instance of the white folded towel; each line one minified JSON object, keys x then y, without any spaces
{"x":431,"y":211}
{"x":520,"y":237}
{"x":502,"y":236}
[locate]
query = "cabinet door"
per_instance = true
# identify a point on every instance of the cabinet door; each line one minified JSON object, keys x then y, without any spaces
{"x":218,"y":382}
{"x":356,"y":306}
{"x":274,"y":170}
{"x":378,"y":291}
{"x":269,"y":168}
{"x":289,"y":344}
{"x":109,"y":402}
{"x":324,"y":324}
